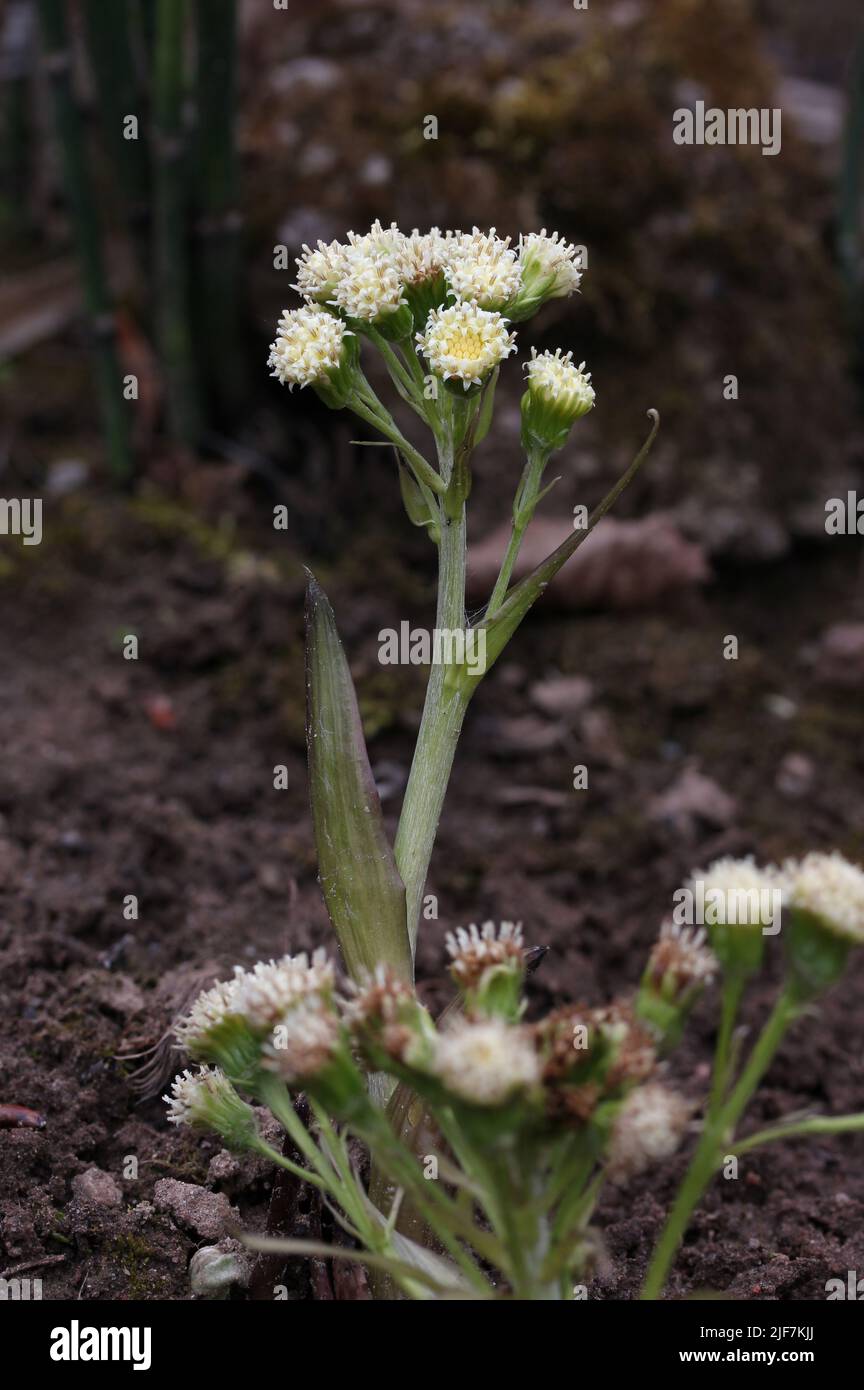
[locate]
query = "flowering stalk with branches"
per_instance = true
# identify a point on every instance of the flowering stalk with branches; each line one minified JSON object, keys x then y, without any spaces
{"x":497,"y":1134}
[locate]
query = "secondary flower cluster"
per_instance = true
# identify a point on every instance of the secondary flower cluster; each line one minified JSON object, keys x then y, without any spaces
{"x":286,"y":1019}
{"x":554,"y":1106}
{"x":449,"y":296}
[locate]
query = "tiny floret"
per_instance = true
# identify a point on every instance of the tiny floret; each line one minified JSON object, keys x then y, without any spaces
{"x":466,"y":342}
{"x":309,"y":346}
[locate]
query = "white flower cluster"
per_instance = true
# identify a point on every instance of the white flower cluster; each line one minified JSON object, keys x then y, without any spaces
{"x":829,"y":888}
{"x":266,"y":993}
{"x":648,"y":1129}
{"x":465,"y":342}
{"x":308,"y":347}
{"x":384,"y":276}
{"x":487,"y":1062}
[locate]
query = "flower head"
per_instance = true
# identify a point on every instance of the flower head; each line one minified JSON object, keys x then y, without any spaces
{"x":206,"y":1100}
{"x":383,"y":1013}
{"x":737,"y":892}
{"x":679,"y":966}
{"x":830,"y":889}
{"x":550,"y":269}
{"x":474,"y":950}
{"x":422,"y":256}
{"x":740,"y":904}
{"x":263,"y":995}
{"x":681,"y":959}
{"x":210,"y":1009}
{"x":465,"y":342}
{"x":310,"y":347}
{"x":489,"y":967}
{"x":420,"y":260}
{"x":558,"y":394}
{"x":318,"y":270}
{"x":648,"y":1129}
{"x":482,"y":268}
{"x":369,"y":287}
{"x":304,"y":1042}
{"x":486,"y":1063}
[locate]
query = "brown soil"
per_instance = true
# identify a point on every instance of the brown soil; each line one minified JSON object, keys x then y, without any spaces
{"x":155,"y":778}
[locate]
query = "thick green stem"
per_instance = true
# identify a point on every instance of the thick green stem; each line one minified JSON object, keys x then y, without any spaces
{"x":443,"y":713}
{"x":70,"y":134}
{"x":709,"y":1152}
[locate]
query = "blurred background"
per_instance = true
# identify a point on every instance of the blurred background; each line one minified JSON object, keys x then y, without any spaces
{"x":162,"y":164}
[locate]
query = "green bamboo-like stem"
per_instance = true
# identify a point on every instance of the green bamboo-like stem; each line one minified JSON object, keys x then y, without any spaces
{"x":170,"y":248}
{"x":79,"y":188}
{"x":219,"y":222}
{"x":109,"y":45}
{"x":717,"y":1133}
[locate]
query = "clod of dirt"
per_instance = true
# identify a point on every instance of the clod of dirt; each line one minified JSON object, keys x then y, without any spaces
{"x":561,"y":697}
{"x":693,"y":798}
{"x":97,"y":1188}
{"x":624,"y":564}
{"x":839,"y":655}
{"x":208,"y":1214}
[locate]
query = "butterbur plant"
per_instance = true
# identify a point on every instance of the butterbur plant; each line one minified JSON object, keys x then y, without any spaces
{"x":489,"y":1137}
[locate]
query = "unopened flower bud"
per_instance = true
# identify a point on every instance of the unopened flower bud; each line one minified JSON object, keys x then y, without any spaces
{"x":558,"y":395}
{"x":825,"y":895}
{"x":679,"y":967}
{"x":488,"y":965}
{"x":549,"y":270}
{"x":207,"y":1100}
